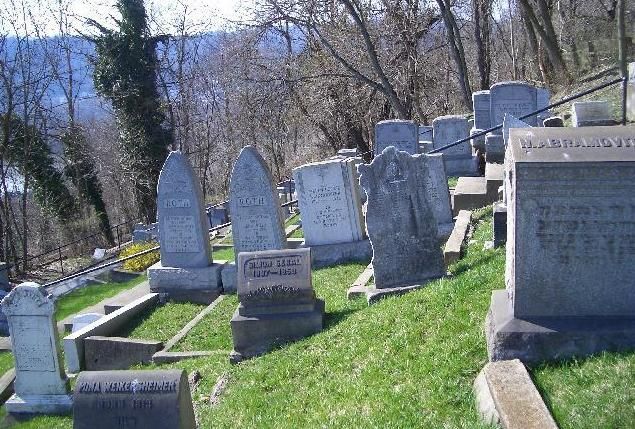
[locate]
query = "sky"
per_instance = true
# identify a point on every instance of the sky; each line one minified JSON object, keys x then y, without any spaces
{"x":201,"y":14}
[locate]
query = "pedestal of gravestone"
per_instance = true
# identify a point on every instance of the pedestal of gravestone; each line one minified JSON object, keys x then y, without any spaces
{"x":186,"y":271}
{"x":152,"y":399}
{"x":41,"y":386}
{"x":570,"y":263}
{"x":400,"y":223}
{"x":458,"y":159}
{"x":277,"y":301}
{"x":404,"y":135}
{"x":331,"y":211}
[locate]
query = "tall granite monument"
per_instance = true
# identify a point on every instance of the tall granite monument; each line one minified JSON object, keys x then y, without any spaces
{"x":570,"y":262}
{"x":400,"y":222}
{"x":331,"y":212}
{"x":185,"y":271}
{"x":277,"y":301}
{"x":41,"y":386}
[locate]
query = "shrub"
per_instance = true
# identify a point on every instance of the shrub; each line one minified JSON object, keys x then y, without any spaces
{"x":142,"y":262}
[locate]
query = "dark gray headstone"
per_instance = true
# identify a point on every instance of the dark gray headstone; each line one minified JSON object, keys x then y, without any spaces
{"x":481,"y":105}
{"x":404,"y":135}
{"x":257,"y":222}
{"x":400,"y":220}
{"x":183,"y":227}
{"x":153,"y":399}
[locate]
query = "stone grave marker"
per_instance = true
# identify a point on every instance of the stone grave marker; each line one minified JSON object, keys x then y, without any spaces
{"x":404,"y":135}
{"x":41,"y":386}
{"x":630,"y":97}
{"x":400,"y":221}
{"x":480,"y":104}
{"x":185,"y":271}
{"x":331,"y":211}
{"x":82,"y":320}
{"x":257,"y":222}
{"x":458,"y":159}
{"x":425,"y":138}
{"x":591,"y":114}
{"x":277,"y":301}
{"x":570,"y":262}
{"x":439,"y":193}
{"x":153,"y":399}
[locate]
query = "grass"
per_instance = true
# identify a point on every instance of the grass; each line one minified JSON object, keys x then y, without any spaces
{"x":292,"y":220}
{"x":452,"y":181}
{"x":407,"y":361}
{"x":6,"y":362}
{"x":298,"y":233}
{"x":209,"y":334}
{"x":84,"y":297}
{"x":224,"y":254}
{"x":597,"y":392}
{"x":162,"y":322}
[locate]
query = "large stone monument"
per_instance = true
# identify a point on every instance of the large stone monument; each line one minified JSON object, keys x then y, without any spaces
{"x":41,"y":386}
{"x":152,"y":399}
{"x":517,"y":99}
{"x":185,"y":271}
{"x":277,"y":301}
{"x":591,"y":114}
{"x":570,"y":265}
{"x":254,"y":205}
{"x":404,"y":135}
{"x":400,"y":222}
{"x":331,"y":212}
{"x":458,"y":159}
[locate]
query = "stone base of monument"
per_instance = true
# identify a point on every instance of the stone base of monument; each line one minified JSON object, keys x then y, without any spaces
{"x":494,"y":176}
{"x":494,"y":148}
{"x":500,"y":224}
{"x":196,"y":284}
{"x":326,"y":255}
{"x":470,"y":193}
{"x":374,"y":294}
{"x":256,"y":334}
{"x":461,"y":166}
{"x":39,"y":404}
{"x":545,"y":339}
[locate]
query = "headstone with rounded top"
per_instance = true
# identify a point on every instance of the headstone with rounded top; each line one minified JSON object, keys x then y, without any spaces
{"x":458,"y":159}
{"x":402,"y":134}
{"x":41,"y":386}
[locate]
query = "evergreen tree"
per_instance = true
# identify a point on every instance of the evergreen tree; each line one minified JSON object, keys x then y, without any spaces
{"x":126,"y":74}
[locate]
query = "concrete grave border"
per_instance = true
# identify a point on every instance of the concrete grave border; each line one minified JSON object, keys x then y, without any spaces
{"x":452,"y":250}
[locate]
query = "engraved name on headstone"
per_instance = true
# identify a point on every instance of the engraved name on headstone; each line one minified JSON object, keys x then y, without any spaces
{"x":40,"y":385}
{"x":257,"y":222}
{"x":183,"y":225}
{"x":400,"y":221}
{"x":404,"y":135}
{"x":156,"y":399}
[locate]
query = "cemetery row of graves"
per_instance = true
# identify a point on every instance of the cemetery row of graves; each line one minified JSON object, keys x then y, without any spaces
{"x":390,"y":300}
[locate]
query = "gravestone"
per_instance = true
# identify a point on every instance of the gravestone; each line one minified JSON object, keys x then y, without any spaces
{"x":480,"y":104}
{"x":543,"y":97}
{"x":458,"y":159}
{"x":510,"y":122}
{"x":185,"y":271}
{"x":404,"y":135}
{"x":282,"y":199}
{"x":348,"y":153}
{"x":218,"y":215}
{"x":153,"y":399}
{"x":553,"y":121}
{"x":425,"y":138}
{"x":277,"y":301}
{"x":82,"y":320}
{"x":570,"y":261}
{"x":517,"y":99}
{"x":41,"y":386}
{"x":257,"y":223}
{"x":439,"y":193}
{"x":591,"y":114}
{"x":630,"y":97}
{"x":400,"y":221}
{"x":4,"y":276}
{"x":331,"y":211}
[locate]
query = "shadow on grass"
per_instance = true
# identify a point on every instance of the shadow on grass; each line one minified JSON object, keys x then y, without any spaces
{"x":462,"y":266}
{"x":331,"y":319}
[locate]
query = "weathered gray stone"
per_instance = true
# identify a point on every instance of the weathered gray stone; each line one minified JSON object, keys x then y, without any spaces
{"x":41,"y":386}
{"x":425,"y":133}
{"x":329,"y":201}
{"x":591,"y":114}
{"x":481,"y":105}
{"x":495,"y":145}
{"x":452,"y":250}
{"x":478,"y":143}
{"x":470,"y":193}
{"x":494,"y":175}
{"x":157,"y":399}
{"x":568,"y":270}
{"x":543,"y":97}
{"x":229,"y":278}
{"x":82,"y":320}
{"x":500,"y":224}
{"x":257,"y":223}
{"x":185,"y":271}
{"x":106,"y":353}
{"x":4,"y":276}
{"x":552,"y":122}
{"x":439,"y":193}
{"x":506,"y":395}
{"x":458,"y":159}
{"x":348,"y":153}
{"x":277,"y":301}
{"x":404,"y":135}
{"x":327,"y":255}
{"x":509,"y":122}
{"x":400,"y":220}
{"x":515,"y":98}
{"x":183,"y":230}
